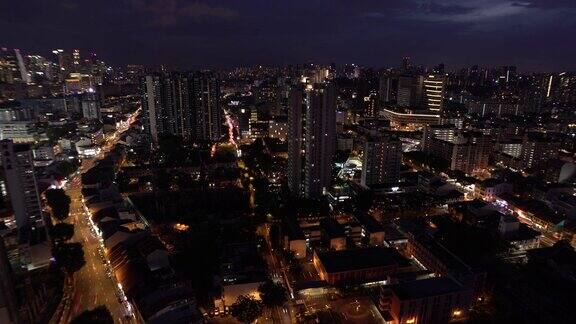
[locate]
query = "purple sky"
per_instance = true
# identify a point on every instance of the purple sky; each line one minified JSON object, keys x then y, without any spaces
{"x":536,"y":35}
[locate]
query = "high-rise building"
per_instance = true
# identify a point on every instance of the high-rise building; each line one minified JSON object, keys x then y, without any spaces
{"x":406,"y":65}
{"x":465,"y":151}
{"x":91,"y":105}
{"x":388,"y":89}
{"x":311,"y":139}
{"x":19,"y":171}
{"x":24,"y":76}
{"x":183,"y":104}
{"x":295,"y":139}
{"x":9,"y":67}
{"x":406,"y":93}
{"x":8,"y":302}
{"x":76,"y":60}
{"x":443,"y":132}
{"x":64,"y":61}
{"x":206,"y":105}
{"x":319,"y":138}
{"x":432,"y":87}
{"x":538,"y":148}
{"x":382,"y":160}
{"x":18,"y":163}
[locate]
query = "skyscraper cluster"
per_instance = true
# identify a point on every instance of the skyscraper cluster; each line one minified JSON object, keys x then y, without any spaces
{"x":185,"y":104}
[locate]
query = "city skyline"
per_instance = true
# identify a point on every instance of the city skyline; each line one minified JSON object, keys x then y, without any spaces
{"x":282,"y":162}
{"x":195,"y":34}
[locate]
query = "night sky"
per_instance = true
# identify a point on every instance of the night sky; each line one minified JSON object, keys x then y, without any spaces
{"x":534,"y":35}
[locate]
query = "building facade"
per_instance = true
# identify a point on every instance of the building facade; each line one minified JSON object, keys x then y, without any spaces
{"x":182,"y":104}
{"x":382,"y":160}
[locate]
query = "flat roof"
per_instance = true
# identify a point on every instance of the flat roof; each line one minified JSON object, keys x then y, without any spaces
{"x":358,"y":259}
{"x":369,"y":223}
{"x":332,"y":228}
{"x":425,"y":288}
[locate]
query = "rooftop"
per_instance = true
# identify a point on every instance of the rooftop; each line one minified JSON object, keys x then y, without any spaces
{"x":425,"y":288}
{"x":357,"y":259}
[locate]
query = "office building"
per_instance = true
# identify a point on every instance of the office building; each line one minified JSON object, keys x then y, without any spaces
{"x":91,"y":106}
{"x":382,"y":160}
{"x":18,"y":131}
{"x":76,"y":60}
{"x":432,"y":90}
{"x":407,"y":92}
{"x":10,"y":71}
{"x":416,"y":120}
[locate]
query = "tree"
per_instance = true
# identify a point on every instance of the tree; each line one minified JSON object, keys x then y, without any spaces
{"x":59,"y":202}
{"x":246,"y":309}
{"x":62,"y":231}
{"x":163,"y":180}
{"x":66,"y":168}
{"x":171,"y":149}
{"x":69,"y":256}
{"x":98,"y":315}
{"x":272,"y":294}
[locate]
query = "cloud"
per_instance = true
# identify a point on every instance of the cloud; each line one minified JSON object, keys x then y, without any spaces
{"x":547,"y":4}
{"x":172,"y":12}
{"x":470,"y":12}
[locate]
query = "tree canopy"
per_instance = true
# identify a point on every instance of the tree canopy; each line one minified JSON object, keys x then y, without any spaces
{"x":98,"y":315}
{"x":59,"y":202}
{"x":246,"y":309}
{"x":272,"y":294}
{"x":62,"y":231}
{"x":69,"y":256}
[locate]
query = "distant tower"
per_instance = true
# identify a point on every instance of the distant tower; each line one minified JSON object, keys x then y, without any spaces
{"x":91,"y":106}
{"x":432,"y":87}
{"x":406,"y":65}
{"x":206,"y":104}
{"x":76,"y":60}
{"x":151,"y":107}
{"x":22,"y":67}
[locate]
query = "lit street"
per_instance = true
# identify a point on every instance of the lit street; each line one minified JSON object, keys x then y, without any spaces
{"x":93,"y":284}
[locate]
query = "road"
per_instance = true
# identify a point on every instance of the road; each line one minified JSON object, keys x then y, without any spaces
{"x":93,"y":285}
{"x":278,"y":274}
{"x":548,"y":238}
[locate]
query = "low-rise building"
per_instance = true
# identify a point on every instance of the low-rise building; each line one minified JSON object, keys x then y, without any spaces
{"x":359,"y":265}
{"x":433,"y":300}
